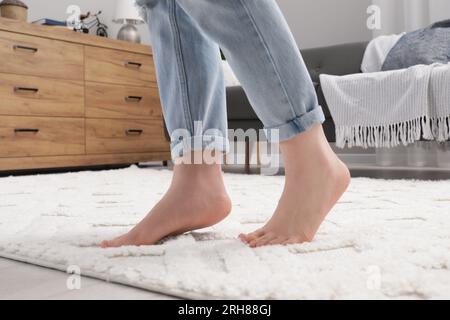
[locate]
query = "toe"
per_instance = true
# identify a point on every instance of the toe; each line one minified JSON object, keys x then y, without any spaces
{"x":253,"y":243}
{"x":277,"y":241}
{"x":263,"y":240}
{"x":104,"y":244}
{"x":243,"y":238}
{"x":115,"y":243}
{"x":255,"y":235}
{"x":108,"y":244}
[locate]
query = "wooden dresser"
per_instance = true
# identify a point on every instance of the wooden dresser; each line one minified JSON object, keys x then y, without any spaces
{"x":70,"y":99}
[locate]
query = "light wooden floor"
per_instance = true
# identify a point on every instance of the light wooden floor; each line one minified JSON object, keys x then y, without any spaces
{"x":24,"y":281}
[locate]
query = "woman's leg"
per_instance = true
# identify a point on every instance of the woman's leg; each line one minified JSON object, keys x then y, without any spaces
{"x":192,"y":92}
{"x":261,"y":49}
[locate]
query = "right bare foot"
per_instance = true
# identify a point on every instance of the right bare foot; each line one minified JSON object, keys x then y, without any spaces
{"x":315,"y":180}
{"x":196,"y":199}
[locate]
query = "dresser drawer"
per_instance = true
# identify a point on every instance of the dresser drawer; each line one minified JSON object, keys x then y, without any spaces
{"x":118,"y":101}
{"x":36,"y":136}
{"x":35,"y":96}
{"x":120,"y":67}
{"x":28,"y":55}
{"x":124,"y":136}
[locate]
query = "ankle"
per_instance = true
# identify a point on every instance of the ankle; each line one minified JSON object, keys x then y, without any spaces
{"x":197,"y":170}
{"x":201,"y":157}
{"x":199,"y":178}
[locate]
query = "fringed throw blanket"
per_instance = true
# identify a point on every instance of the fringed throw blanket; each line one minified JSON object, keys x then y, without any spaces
{"x":386,"y":109}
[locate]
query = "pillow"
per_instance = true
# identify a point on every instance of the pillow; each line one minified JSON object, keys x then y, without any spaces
{"x":377,"y":51}
{"x":425,"y":46}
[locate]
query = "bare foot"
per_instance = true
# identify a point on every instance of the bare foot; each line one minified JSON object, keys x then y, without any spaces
{"x":196,"y":199}
{"x":315,"y":180}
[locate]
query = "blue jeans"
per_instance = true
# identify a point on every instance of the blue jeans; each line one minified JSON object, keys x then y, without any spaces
{"x":258,"y":44}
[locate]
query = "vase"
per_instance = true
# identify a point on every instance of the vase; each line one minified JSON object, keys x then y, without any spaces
{"x":14,"y":9}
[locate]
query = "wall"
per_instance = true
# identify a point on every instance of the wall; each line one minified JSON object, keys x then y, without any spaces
{"x":313,"y":22}
{"x":439,"y":10}
{"x":407,"y":15}
{"x":318,"y":23}
{"x":56,"y":9}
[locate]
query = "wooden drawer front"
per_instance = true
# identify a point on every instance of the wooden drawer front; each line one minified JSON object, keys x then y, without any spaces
{"x":30,"y":55}
{"x":34,"y":96}
{"x":122,"y":136}
{"x":36,"y":136}
{"x":120,"y":67}
{"x":116,"y":101}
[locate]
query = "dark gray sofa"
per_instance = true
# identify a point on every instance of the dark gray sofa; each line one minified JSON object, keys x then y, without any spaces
{"x":337,"y":60}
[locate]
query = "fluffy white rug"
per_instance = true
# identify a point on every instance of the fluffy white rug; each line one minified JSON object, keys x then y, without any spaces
{"x":385,"y":239}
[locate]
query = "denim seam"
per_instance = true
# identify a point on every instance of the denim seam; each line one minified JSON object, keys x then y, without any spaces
{"x":301,"y":122}
{"x":271,"y":59}
{"x":181,"y":68}
{"x":298,"y":125}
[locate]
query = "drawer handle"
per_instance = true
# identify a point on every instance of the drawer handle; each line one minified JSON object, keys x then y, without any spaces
{"x":133,"y":99}
{"x":26,"y":130}
{"x":134,"y":132}
{"x":25,"y":48}
{"x":25,"y":90}
{"x":132,"y":64}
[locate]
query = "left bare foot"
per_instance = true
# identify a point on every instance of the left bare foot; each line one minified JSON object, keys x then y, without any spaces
{"x":196,"y":199}
{"x":315,"y":180}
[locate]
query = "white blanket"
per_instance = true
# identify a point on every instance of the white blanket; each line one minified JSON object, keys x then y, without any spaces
{"x":230,"y":78}
{"x":386,"y":109}
{"x":377,"y":51}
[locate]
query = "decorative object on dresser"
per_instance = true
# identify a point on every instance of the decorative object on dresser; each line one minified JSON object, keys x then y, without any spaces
{"x":50,"y":22}
{"x":69,"y":99}
{"x":127,"y":13}
{"x":14,"y":9}
{"x":86,"y":25}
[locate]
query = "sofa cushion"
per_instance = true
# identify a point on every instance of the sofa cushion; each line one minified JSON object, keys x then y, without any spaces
{"x":238,"y":106}
{"x":336,"y":60}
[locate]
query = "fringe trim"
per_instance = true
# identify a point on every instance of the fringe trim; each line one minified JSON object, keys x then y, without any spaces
{"x":392,"y":135}
{"x":440,"y":129}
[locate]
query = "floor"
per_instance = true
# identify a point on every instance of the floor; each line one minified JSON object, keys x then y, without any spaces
{"x":21,"y":281}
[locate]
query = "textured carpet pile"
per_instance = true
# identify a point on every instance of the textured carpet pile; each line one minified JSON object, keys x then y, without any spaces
{"x":384,"y":239}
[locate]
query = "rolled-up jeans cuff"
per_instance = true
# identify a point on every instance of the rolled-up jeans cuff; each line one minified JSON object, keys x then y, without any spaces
{"x":199,"y":143}
{"x":296,"y":126}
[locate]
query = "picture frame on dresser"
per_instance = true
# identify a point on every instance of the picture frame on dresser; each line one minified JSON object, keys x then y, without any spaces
{"x":73,"y":100}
